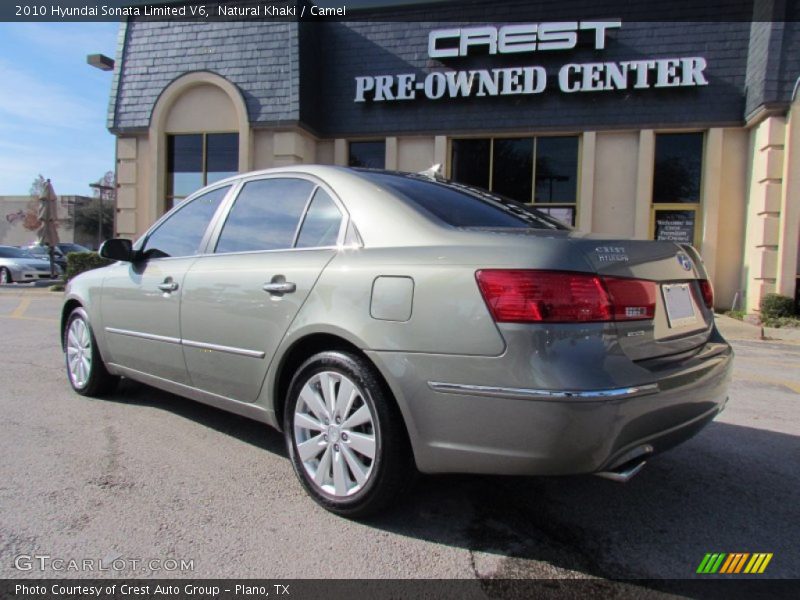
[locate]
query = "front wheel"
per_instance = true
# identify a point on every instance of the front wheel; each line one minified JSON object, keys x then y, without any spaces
{"x":85,"y":369}
{"x":345,"y":435}
{"x":5,"y":275}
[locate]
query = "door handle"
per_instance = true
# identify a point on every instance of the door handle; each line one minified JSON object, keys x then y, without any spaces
{"x":281,"y":287}
{"x":168,"y":286}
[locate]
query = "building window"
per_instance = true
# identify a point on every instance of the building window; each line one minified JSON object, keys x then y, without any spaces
{"x":198,"y":159}
{"x":371,"y":155}
{"x":677,"y":175}
{"x":471,"y":162}
{"x":541,"y":170}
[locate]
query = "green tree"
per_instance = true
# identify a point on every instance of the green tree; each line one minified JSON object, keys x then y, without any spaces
{"x":36,"y":191}
{"x":37,"y":187}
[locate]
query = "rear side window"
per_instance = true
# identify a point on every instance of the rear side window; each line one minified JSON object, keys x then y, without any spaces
{"x":462,"y":206}
{"x":322,"y":223}
{"x":265,"y":215}
{"x":182,"y":232}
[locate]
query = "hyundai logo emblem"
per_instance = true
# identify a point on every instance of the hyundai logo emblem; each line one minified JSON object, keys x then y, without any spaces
{"x":685,"y":261}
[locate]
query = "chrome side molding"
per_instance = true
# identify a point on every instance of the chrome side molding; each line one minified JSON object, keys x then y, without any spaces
{"x":189,"y":343}
{"x":145,"y":336}
{"x":219,"y":348}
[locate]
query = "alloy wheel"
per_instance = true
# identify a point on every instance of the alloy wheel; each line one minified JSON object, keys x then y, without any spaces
{"x":334,"y":432}
{"x":79,"y":352}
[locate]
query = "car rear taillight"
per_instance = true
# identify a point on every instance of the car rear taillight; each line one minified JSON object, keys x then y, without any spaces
{"x":707,"y":291}
{"x":529,"y":296}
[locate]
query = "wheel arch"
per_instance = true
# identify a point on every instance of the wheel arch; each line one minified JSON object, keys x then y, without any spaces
{"x":313,"y":343}
{"x":70,"y":305}
{"x":295,"y":355}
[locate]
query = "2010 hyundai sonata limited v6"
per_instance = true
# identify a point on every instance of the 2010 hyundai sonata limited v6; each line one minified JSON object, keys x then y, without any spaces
{"x":390,"y":322}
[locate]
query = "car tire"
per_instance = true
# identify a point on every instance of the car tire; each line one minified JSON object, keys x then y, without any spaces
{"x":5,"y":276}
{"x":353,"y":458}
{"x":86,"y":371}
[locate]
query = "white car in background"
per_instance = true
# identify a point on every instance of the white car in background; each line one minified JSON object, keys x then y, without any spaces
{"x":18,"y":265}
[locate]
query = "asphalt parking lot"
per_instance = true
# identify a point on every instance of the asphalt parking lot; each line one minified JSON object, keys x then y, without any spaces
{"x":148,"y":475}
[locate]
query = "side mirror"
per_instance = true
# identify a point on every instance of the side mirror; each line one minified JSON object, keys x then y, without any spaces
{"x":117,"y":249}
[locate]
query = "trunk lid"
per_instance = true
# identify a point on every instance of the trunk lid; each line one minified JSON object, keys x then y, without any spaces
{"x":682,"y":321}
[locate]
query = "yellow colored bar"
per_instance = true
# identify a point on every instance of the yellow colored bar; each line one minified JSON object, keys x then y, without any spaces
{"x":740,"y":564}
{"x":752,"y":563}
{"x":759,"y":559}
{"x":765,"y":563}
{"x":727,"y":563}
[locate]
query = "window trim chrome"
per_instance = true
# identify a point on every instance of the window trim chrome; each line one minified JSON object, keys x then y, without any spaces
{"x":221,"y":218}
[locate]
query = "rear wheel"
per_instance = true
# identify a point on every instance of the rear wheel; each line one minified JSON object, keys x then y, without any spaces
{"x":5,"y":275}
{"x":345,"y":435}
{"x":85,"y":369}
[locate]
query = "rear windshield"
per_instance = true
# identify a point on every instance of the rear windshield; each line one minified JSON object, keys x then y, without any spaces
{"x":459,"y":205}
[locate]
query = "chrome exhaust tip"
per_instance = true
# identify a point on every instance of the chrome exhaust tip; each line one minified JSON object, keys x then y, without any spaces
{"x":628,"y":465}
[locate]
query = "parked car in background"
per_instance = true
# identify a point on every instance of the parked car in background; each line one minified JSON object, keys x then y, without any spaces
{"x":390,"y":322}
{"x":61,"y":251}
{"x":19,"y":265}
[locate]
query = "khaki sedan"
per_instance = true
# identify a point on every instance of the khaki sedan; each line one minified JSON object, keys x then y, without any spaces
{"x":391,"y":323}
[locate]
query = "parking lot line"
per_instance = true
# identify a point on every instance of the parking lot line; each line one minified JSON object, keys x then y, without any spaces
{"x":23,"y":305}
{"x":29,"y":318}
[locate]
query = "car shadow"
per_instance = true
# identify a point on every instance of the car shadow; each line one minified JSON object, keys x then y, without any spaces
{"x":730,"y":489}
{"x":247,"y":430}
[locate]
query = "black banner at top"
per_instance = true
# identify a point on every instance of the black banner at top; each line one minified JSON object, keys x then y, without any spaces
{"x":397,"y":10}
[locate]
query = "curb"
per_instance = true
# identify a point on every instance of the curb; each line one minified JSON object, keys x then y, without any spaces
{"x":734,"y":329}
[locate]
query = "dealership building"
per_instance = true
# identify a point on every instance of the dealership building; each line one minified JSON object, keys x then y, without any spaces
{"x":619,"y":123}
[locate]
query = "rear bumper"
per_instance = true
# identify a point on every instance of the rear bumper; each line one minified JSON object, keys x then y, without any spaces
{"x":475,"y":428}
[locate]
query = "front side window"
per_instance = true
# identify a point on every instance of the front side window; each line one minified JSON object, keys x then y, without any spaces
{"x":677,"y":174}
{"x":371,"y":155}
{"x":538,"y":170}
{"x":182,"y":232}
{"x":197,"y":160}
{"x":265,"y":216}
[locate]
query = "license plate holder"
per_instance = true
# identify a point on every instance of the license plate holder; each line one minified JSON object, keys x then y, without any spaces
{"x":679,"y":304}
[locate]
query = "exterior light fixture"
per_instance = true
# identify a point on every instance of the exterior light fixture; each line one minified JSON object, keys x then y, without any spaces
{"x":100,"y":61}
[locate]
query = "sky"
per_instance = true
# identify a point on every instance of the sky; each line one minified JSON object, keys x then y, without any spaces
{"x":53,"y":105}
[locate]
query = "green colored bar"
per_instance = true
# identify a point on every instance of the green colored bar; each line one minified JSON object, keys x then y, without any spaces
{"x":718,"y":564}
{"x":702,"y":567}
